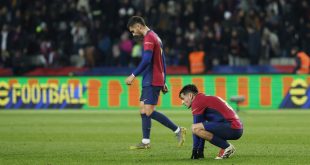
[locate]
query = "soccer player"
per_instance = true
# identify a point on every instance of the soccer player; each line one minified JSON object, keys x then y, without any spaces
{"x":214,"y":121}
{"x":154,"y":78}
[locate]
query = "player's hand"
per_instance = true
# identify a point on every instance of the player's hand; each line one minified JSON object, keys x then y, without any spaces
{"x":195,"y":154}
{"x":165,"y":89}
{"x":200,"y":154}
{"x":130,"y":79}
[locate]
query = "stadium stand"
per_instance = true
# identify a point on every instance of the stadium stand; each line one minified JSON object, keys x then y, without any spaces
{"x":91,"y":33}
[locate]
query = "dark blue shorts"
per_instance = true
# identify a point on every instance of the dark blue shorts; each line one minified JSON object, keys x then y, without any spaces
{"x":223,"y":130}
{"x":150,"y":94}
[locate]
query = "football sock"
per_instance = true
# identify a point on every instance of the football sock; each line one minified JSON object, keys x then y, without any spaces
{"x":177,"y":130}
{"x":146,"y":141}
{"x":146,"y":126}
{"x":219,"y":142}
{"x":163,"y":120}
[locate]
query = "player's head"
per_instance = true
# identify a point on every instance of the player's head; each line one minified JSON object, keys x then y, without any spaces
{"x":187,"y":94}
{"x":136,"y":26}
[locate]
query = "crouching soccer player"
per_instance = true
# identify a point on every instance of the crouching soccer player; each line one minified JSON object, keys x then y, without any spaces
{"x":214,"y":121}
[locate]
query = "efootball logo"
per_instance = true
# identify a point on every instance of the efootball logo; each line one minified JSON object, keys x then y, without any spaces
{"x":298,"y":95}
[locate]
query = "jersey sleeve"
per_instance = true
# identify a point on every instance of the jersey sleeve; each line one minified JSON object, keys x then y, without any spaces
{"x":164,"y":62}
{"x":146,"y":60}
{"x":148,"y":43}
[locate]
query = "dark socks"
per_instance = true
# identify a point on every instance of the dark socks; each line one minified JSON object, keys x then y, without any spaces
{"x":219,"y":142}
{"x":146,"y":126}
{"x":163,"y":120}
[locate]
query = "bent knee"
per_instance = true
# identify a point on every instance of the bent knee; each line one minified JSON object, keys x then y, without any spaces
{"x":195,"y":128}
{"x":237,"y":134}
{"x":148,"y":111}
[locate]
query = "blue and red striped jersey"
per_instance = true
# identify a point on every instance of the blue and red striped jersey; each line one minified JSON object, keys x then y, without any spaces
{"x":215,"y":109}
{"x":155,"y":72}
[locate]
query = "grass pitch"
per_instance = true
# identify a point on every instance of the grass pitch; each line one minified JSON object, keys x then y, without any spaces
{"x":103,"y":137}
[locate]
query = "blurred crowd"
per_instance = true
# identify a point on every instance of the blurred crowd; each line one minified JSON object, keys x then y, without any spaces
{"x":53,"y":33}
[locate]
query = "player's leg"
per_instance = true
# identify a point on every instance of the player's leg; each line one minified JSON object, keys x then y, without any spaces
{"x":198,"y":143}
{"x":218,"y":134}
{"x":225,"y":132}
{"x":149,"y":108}
{"x":161,"y":118}
{"x":207,"y":130}
{"x":164,"y":120}
{"x":150,"y":105}
{"x":146,"y":123}
{"x":199,"y":130}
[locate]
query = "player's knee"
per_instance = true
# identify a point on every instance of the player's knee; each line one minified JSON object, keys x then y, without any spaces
{"x":141,"y":104}
{"x":142,"y":111}
{"x":148,"y":112}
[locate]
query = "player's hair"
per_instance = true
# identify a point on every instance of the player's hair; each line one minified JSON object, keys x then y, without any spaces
{"x":135,"y":19}
{"x":190,"y":88}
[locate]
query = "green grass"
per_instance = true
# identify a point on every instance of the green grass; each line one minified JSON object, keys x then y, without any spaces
{"x":104,"y":137}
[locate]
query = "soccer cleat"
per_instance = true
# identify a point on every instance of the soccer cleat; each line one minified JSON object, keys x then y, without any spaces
{"x":226,"y":153}
{"x":141,"y":146}
{"x":181,"y":136}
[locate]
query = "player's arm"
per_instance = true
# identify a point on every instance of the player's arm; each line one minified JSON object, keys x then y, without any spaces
{"x":146,"y":60}
{"x":147,"y":55}
{"x":164,"y":63}
{"x":165,"y":87}
{"x":198,"y":143}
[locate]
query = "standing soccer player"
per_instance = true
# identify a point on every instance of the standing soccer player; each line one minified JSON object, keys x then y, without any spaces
{"x":214,"y":121}
{"x":154,"y":81}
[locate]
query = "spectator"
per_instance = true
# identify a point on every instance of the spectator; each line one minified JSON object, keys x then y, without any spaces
{"x":74,"y":26}
{"x":115,"y":55}
{"x":302,"y":61}
{"x":125,"y":46}
{"x":80,"y":36}
{"x":104,"y":47}
{"x":234,"y":49}
{"x":192,"y":35}
{"x":136,"y":54}
{"x":5,"y":43}
{"x":254,"y":45}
